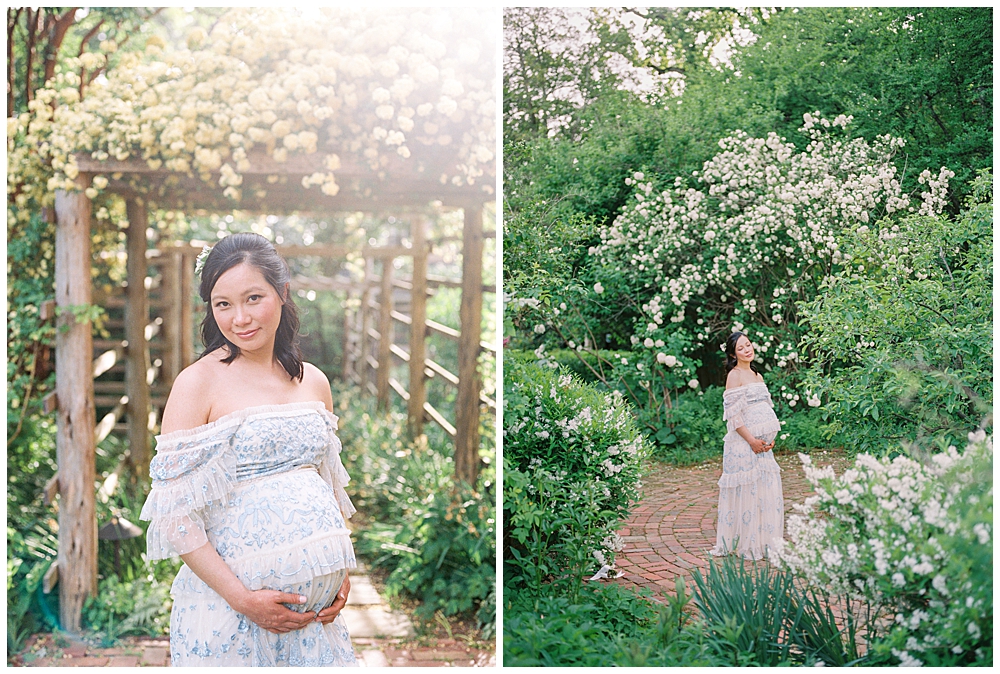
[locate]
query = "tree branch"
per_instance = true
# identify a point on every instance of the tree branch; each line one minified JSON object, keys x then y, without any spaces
{"x":11,"y":71}
{"x":58,"y":34}
{"x":30,"y":53}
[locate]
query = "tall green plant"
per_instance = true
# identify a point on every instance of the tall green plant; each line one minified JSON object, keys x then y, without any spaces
{"x":900,"y":342}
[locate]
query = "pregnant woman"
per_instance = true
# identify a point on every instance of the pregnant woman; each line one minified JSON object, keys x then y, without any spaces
{"x":248,"y":485}
{"x":751,"y":507}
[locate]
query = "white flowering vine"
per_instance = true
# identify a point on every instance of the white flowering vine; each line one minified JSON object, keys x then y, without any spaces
{"x":366,"y":85}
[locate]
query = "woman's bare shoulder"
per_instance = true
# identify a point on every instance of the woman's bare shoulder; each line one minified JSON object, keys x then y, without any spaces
{"x":317,"y":384}
{"x":733,"y":380}
{"x":189,"y":403}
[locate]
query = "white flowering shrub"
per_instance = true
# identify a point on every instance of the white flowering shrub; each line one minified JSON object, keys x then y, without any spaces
{"x":901,"y":338}
{"x":757,"y":230}
{"x":913,"y":541}
{"x":365,"y":86}
{"x":572,"y":460}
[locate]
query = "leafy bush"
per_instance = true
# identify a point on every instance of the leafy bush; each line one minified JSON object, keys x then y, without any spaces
{"x":138,"y":606}
{"x":608,"y":625}
{"x":435,"y":537}
{"x":572,"y":459}
{"x":912,"y":541}
{"x":901,"y":340}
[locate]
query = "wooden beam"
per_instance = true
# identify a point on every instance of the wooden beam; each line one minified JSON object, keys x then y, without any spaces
{"x":75,"y":455}
{"x":51,"y":489}
{"x":399,"y":353}
{"x":346,"y":347}
{"x":51,"y":577}
{"x":467,"y":460}
{"x":418,"y":329}
{"x":439,"y":370}
{"x":385,"y":334}
{"x":170,"y":298}
{"x":137,"y":355}
{"x":439,"y":419}
{"x":365,"y":358}
{"x":107,"y":423}
{"x":396,"y":386}
{"x":187,"y":309}
{"x":443,"y":330}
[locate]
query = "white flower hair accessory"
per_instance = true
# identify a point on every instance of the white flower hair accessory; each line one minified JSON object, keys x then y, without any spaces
{"x":199,"y":263}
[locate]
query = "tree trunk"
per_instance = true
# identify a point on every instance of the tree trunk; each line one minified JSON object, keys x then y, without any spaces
{"x":77,"y":557}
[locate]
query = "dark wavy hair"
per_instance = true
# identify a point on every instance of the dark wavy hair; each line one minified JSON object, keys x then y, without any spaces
{"x":731,"y":353}
{"x":255,"y":250}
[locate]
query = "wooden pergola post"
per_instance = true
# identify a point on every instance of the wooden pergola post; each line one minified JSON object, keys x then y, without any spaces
{"x":347,"y":345}
{"x":418,"y":329}
{"x":364,"y":365}
{"x":187,"y":310}
{"x":470,"y":314}
{"x":385,"y":330}
{"x":75,"y":451}
{"x":137,"y":355}
{"x":171,"y":294}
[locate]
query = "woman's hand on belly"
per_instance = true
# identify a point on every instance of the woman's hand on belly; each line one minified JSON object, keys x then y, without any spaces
{"x":264,"y":607}
{"x":267,"y":609}
{"x":330,"y":613}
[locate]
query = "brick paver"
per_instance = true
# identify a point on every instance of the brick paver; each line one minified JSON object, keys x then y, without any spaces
{"x":672,"y":529}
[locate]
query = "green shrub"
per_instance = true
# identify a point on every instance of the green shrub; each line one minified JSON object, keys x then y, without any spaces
{"x":912,"y":541}
{"x":901,"y":340}
{"x":607,"y":626}
{"x":572,"y":458}
{"x":137,"y":606}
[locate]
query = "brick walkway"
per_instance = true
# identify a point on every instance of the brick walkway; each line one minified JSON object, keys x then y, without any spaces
{"x":673,"y":527}
{"x":48,"y":650}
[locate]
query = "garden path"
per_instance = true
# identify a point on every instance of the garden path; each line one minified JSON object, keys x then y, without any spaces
{"x":672,"y":529}
{"x":382,"y":637}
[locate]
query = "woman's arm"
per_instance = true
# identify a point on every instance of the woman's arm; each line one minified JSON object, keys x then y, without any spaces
{"x":756,"y":444}
{"x":264,"y":607}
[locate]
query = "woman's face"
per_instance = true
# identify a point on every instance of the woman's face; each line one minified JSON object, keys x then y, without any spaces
{"x":247,"y":308}
{"x":744,"y":350}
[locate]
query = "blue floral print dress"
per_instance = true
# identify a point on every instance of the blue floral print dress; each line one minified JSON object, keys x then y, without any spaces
{"x":264,"y":486}
{"x":751,"y":506}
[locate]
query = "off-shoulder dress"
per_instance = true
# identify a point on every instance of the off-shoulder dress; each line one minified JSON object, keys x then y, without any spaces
{"x":265,"y":486}
{"x":751,"y":506}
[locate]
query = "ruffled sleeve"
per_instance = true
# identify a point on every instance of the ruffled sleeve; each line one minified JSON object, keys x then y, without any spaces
{"x":331,"y":467}
{"x":734,"y":404}
{"x":191,"y":472}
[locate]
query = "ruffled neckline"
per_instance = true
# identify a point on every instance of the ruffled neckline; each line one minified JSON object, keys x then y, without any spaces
{"x":239,"y":416}
{"x":740,"y":388}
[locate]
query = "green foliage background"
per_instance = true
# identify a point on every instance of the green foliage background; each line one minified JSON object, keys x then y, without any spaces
{"x":901,"y":361}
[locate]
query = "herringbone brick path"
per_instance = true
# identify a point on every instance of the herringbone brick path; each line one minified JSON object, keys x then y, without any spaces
{"x":673,"y":527}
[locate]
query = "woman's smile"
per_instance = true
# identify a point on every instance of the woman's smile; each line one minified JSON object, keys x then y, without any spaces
{"x":246,"y":307}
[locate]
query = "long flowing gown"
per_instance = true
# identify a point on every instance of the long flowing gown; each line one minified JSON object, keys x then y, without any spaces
{"x":264,"y":486}
{"x":751,"y":506}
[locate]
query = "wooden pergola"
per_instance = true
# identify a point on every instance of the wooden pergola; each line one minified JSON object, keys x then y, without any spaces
{"x":271,"y":187}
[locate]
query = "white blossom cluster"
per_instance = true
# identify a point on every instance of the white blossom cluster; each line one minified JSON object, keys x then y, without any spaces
{"x":885,"y":532}
{"x":372,"y":86}
{"x":765,"y":217}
